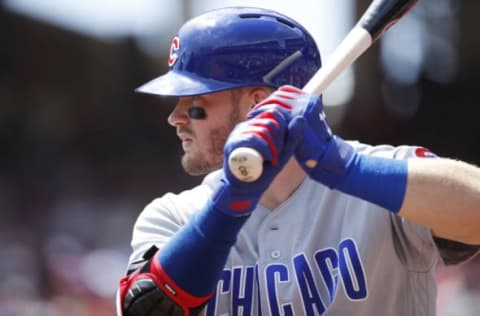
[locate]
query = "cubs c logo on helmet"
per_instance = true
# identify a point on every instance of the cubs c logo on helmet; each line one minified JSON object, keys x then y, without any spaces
{"x":173,"y":51}
{"x":423,"y":152}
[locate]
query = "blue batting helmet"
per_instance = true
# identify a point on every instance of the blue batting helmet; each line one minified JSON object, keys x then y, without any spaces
{"x":237,"y":47}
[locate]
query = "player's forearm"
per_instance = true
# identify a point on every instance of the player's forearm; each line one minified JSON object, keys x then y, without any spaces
{"x":441,"y":194}
{"x":195,"y":256}
{"x":444,"y":195}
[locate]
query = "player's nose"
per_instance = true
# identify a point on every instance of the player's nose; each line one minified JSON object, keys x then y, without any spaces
{"x":178,"y":116}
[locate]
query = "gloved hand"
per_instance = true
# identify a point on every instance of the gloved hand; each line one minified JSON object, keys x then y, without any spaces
{"x":324,"y":156}
{"x":271,"y":131}
{"x":333,"y":162}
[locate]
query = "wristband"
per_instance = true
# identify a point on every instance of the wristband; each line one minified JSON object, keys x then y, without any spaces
{"x":381,"y":181}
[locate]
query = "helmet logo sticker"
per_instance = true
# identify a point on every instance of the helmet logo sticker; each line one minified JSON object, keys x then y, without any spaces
{"x":423,"y":152}
{"x":173,"y":51}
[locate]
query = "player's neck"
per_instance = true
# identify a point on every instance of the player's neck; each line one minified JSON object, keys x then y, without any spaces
{"x":284,"y":185}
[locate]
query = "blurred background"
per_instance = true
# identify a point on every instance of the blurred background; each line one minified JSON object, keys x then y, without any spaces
{"x":81,"y":154}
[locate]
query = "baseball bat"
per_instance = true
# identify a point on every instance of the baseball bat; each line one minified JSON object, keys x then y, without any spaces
{"x":246,"y":164}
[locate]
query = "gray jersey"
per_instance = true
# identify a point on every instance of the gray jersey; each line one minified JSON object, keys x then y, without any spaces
{"x":321,"y":252}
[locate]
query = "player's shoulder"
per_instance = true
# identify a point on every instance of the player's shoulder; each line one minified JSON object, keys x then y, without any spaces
{"x":212,"y":179}
{"x":180,"y":206}
{"x":165,"y":215}
{"x":390,"y":151}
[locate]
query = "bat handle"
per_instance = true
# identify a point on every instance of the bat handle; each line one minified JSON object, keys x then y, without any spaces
{"x":357,"y":41}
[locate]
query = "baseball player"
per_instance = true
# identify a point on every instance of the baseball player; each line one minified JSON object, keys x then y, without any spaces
{"x":331,"y":227}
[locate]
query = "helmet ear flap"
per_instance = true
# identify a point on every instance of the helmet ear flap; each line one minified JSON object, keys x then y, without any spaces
{"x":237,"y":47}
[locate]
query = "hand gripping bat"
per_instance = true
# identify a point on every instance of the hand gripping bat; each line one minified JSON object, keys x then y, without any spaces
{"x":246,"y":163}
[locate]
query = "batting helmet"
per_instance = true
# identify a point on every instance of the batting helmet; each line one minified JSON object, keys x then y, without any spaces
{"x":237,"y":47}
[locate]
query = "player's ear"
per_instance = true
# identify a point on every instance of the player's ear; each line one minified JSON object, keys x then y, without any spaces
{"x":258,"y":94}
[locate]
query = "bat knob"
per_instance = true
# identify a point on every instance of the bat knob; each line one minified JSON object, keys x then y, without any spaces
{"x":246,"y":164}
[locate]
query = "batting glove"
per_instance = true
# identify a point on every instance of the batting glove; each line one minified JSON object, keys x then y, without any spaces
{"x":270,"y":130}
{"x":322,"y":155}
{"x":333,"y":162}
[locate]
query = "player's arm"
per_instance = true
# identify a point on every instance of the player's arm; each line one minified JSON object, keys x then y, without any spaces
{"x":181,"y":277}
{"x":444,"y":195}
{"x":441,"y":194}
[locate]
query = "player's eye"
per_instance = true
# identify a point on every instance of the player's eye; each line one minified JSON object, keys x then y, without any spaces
{"x":197,"y":113}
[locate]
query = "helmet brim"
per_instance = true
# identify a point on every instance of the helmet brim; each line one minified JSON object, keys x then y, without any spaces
{"x":175,"y":84}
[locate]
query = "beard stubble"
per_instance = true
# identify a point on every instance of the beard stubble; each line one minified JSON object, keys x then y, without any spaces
{"x":212,"y":159}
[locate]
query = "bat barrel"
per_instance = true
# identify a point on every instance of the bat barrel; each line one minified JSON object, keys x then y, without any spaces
{"x":382,"y":14}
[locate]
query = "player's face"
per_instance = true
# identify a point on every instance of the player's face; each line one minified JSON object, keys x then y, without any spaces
{"x":203,"y":124}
